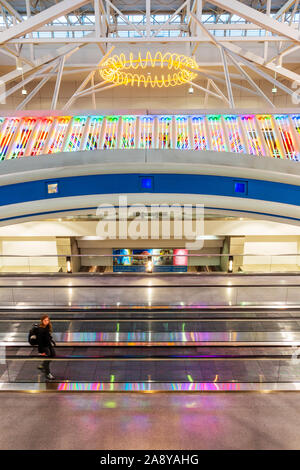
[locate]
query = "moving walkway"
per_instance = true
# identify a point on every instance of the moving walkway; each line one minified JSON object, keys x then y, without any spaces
{"x":256,"y":350}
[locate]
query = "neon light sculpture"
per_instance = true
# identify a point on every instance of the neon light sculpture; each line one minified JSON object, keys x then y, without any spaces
{"x":164,"y":132}
{"x":128,"y":132}
{"x":296,"y":122}
{"x":146,"y":132}
{"x":286,"y":136}
{"x":253,"y":141}
{"x":217,"y":136}
{"x":182,"y":135}
{"x":94,"y":133}
{"x":75,"y":137}
{"x":179,"y":69}
{"x":200,"y":140}
{"x":58,"y":135}
{"x":40,"y":136}
{"x":7,"y":133}
{"x":275,"y":135}
{"x":110,"y":138}
{"x":234,"y":134}
{"x":23,"y":137}
{"x":269,"y":135}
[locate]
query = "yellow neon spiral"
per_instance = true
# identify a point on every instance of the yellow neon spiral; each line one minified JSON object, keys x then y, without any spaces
{"x":180,"y":69}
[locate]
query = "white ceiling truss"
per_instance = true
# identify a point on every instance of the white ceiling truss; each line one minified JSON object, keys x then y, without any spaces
{"x":253,"y":38}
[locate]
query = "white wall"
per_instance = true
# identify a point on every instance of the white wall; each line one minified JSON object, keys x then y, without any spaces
{"x":17,"y":253}
{"x":80,"y":228}
{"x":276,"y":253}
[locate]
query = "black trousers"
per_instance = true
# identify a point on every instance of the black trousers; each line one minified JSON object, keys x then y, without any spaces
{"x":50,"y":352}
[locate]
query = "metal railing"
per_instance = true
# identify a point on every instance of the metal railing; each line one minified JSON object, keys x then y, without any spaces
{"x":225,"y":262}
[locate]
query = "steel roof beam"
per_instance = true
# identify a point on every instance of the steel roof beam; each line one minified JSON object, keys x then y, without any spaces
{"x":11,"y":10}
{"x":260,"y":19}
{"x":36,"y":21}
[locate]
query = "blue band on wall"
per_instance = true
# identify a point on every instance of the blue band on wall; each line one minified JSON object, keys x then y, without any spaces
{"x":160,"y":183}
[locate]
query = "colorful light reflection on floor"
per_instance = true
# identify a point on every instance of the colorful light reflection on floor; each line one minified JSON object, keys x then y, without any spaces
{"x":147,"y":386}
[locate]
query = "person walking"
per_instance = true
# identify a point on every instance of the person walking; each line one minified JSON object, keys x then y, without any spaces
{"x":46,"y":344}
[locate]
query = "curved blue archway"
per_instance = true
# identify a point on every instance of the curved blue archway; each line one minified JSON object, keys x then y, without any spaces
{"x":160,"y":183}
{"x":63,"y":183}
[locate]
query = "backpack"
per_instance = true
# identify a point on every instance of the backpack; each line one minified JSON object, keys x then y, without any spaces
{"x":33,"y":335}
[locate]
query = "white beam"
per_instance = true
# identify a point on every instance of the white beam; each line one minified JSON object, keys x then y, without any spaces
{"x":11,"y":10}
{"x":148,"y":18}
{"x":255,"y":16}
{"x":36,"y":21}
{"x":227,"y":78}
{"x":249,"y":55}
{"x":143,"y":39}
{"x":286,"y":51}
{"x":249,"y":79}
{"x":221,"y":80}
{"x":238,"y":53}
{"x":138,"y":30}
{"x":68,"y":72}
{"x":293,"y":12}
{"x":39,"y":62}
{"x":163,"y":25}
{"x":23,"y":82}
{"x":91,"y":89}
{"x":34,"y":74}
{"x":284,"y":8}
{"x":125,"y":27}
{"x":266,"y":44}
{"x":206,"y":94}
{"x":214,"y":85}
{"x":35,"y":91}
{"x":93,"y":94}
{"x":6,"y":50}
{"x":28,"y":12}
{"x":104,"y":13}
{"x":86,"y":80}
{"x":87,"y":93}
{"x":206,"y":90}
{"x":263,"y":74}
{"x":259,"y":61}
{"x":199,"y":15}
{"x":58,"y":82}
{"x":97,"y":19}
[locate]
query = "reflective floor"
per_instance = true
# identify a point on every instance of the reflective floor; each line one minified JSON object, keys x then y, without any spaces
{"x":150,"y":421}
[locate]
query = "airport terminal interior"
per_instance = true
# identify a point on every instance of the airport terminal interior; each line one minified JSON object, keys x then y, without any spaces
{"x":150,"y":208}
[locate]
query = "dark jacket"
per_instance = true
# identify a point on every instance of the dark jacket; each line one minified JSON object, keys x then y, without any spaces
{"x":44,"y":338}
